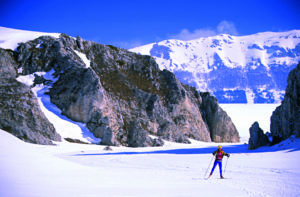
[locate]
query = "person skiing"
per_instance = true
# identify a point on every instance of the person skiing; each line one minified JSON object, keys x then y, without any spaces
{"x":218,"y":161}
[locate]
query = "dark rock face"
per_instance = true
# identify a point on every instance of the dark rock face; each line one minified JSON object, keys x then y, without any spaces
{"x":257,"y":137}
{"x":137,"y":136}
{"x":20,"y":114}
{"x":123,"y":97}
{"x":220,"y":125}
{"x":285,"y":120}
{"x":275,"y":140}
{"x":7,"y":65}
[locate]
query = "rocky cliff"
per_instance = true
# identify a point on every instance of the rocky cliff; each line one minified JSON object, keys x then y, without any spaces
{"x":123,"y":97}
{"x":257,"y":137}
{"x":20,"y":113}
{"x":219,"y":123}
{"x":285,"y":120}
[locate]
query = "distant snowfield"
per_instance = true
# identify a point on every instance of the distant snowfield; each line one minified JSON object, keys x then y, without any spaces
{"x":28,"y":170}
{"x":244,"y":115}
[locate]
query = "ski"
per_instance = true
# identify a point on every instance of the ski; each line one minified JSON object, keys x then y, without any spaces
{"x":207,"y":178}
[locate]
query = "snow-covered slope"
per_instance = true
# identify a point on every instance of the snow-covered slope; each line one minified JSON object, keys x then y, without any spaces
{"x":9,"y":38}
{"x":237,"y":69}
{"x":29,"y":170}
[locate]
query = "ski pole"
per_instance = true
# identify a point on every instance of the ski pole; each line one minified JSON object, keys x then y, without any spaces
{"x":225,"y":165}
{"x":209,"y":165}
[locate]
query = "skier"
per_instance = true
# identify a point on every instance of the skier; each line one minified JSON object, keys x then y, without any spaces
{"x":219,"y":156}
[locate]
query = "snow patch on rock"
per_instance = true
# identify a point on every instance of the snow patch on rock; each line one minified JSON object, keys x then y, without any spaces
{"x":63,"y":125}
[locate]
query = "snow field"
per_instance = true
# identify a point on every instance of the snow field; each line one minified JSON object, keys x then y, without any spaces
{"x":174,"y":170}
{"x":244,"y":115}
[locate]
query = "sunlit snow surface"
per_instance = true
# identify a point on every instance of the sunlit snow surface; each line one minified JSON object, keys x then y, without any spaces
{"x":244,"y":115}
{"x":173,"y":170}
{"x":9,"y":38}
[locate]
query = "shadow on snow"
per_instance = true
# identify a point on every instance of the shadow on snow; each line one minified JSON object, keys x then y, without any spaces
{"x":232,"y":149}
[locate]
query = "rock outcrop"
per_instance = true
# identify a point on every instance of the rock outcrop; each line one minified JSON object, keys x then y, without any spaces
{"x":285,"y":120}
{"x":123,"y":97}
{"x":257,"y":137}
{"x":219,"y":123}
{"x":20,"y":113}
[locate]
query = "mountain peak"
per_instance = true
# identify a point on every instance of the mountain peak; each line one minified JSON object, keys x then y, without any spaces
{"x":238,"y":69}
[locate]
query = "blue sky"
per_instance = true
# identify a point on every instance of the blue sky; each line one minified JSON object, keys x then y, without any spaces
{"x":131,"y":23}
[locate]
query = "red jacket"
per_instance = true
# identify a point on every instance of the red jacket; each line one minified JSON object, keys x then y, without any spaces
{"x":220,"y":154}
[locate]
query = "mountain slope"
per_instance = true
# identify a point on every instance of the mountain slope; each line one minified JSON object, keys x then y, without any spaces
{"x":236,"y":69}
{"x":120,"y":96}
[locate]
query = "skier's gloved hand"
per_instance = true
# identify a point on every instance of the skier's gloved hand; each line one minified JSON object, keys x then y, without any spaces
{"x":228,"y":155}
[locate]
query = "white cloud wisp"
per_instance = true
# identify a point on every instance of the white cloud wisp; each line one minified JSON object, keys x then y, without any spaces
{"x":224,"y":27}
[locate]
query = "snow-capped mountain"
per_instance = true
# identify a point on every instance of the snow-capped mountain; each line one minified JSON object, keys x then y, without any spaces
{"x":236,"y":69}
